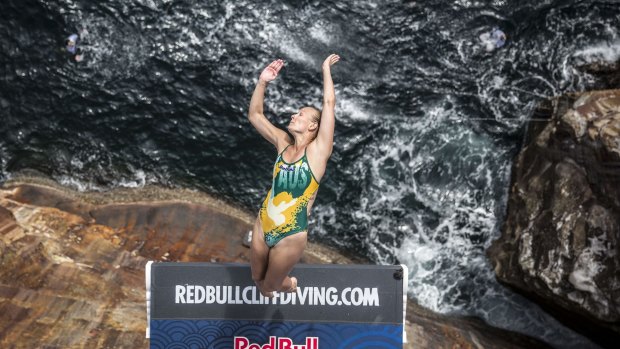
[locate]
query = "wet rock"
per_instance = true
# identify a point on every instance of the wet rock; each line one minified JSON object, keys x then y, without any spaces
{"x":560,"y":241}
{"x":72,"y":266}
{"x":607,"y":74}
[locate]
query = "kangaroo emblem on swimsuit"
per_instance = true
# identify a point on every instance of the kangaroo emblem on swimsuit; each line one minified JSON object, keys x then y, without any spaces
{"x":275,"y":211}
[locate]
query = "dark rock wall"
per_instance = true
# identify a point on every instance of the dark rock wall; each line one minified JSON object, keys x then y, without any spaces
{"x":560,"y":240}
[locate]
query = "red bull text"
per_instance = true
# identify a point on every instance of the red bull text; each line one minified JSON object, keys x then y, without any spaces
{"x":277,"y":343}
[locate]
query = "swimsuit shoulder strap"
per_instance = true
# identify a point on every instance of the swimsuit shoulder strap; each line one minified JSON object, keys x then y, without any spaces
{"x":308,"y":162}
{"x":282,"y":152}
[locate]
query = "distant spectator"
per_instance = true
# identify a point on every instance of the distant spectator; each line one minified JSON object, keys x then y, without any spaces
{"x":496,"y":38}
{"x":499,"y":37}
{"x":71,"y":45}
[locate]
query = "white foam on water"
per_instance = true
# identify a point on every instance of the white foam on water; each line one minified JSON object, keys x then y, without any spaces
{"x":79,"y":185}
{"x":138,"y":179}
{"x":320,"y":31}
{"x":93,"y":168}
{"x":604,"y":51}
{"x":350,"y":109}
{"x":300,"y":36}
{"x":293,"y":51}
{"x":4,"y":158}
{"x":152,"y":4}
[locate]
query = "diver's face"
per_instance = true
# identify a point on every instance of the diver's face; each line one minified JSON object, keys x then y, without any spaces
{"x":301,"y":120}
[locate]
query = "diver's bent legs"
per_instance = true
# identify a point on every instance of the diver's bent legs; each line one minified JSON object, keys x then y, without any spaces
{"x":259,"y":256}
{"x":282,"y":258}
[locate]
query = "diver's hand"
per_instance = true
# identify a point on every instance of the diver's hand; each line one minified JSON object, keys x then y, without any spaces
{"x":330,"y":60}
{"x":271,"y":72}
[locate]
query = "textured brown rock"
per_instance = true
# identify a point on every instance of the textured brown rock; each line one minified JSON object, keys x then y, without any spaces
{"x":72,"y":266}
{"x":560,"y":242}
{"x":606,"y":73}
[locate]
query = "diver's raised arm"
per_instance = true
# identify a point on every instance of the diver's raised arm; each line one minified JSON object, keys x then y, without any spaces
{"x":325,"y":135}
{"x":255,"y":113}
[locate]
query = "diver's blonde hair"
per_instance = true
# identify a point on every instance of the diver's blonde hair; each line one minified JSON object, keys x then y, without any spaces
{"x":316,"y":117}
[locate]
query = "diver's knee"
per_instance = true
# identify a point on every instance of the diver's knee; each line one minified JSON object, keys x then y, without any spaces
{"x":257,"y":278}
{"x":270,"y":285}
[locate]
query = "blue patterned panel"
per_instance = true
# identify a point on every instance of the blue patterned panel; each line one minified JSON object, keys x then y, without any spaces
{"x":218,"y":334}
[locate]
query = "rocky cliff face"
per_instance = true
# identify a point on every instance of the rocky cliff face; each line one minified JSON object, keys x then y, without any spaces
{"x":560,"y":242}
{"x":72,"y":266}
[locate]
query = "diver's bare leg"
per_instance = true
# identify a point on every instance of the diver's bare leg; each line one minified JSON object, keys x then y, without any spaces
{"x":282,"y":258}
{"x":259,"y":257}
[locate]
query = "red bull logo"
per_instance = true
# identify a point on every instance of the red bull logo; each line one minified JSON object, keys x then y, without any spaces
{"x":277,"y":343}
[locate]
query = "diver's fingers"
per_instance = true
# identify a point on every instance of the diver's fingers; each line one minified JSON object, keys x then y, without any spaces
{"x":273,"y":64}
{"x":332,"y":59}
{"x":279,"y":64}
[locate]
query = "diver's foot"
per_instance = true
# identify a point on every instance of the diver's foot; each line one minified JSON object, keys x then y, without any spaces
{"x":293,"y":285}
{"x":267,"y":294}
{"x":247,"y":239}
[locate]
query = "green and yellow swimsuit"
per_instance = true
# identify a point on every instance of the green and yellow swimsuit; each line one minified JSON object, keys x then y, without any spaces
{"x":285,"y":209}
